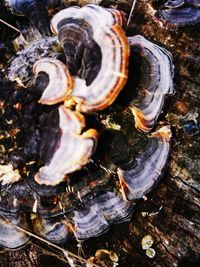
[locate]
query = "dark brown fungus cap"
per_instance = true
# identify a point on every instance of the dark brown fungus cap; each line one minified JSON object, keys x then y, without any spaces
{"x":73,"y":150}
{"x":156,"y":81}
{"x":97,"y":51}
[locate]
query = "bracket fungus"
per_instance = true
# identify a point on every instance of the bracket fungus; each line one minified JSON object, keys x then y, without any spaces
{"x":68,"y":184}
{"x":60,"y":82}
{"x":73,"y":149}
{"x":98,"y":213}
{"x":10,"y":236}
{"x":179,"y":13}
{"x":97,"y":52}
{"x":140,"y":178}
{"x":156,"y":81}
{"x":138,"y":175}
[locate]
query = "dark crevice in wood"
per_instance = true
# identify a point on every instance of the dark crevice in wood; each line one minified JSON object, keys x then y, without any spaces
{"x":167,"y":250}
{"x":189,"y":79}
{"x":190,"y":186}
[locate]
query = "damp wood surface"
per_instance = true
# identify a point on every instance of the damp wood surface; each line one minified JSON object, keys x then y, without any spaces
{"x":171,"y":213}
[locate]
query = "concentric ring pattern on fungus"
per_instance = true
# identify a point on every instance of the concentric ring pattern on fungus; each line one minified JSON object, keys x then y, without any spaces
{"x":77,"y":157}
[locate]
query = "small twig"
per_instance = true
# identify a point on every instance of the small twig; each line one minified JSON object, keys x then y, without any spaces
{"x":9,"y":25}
{"x":130,"y":15}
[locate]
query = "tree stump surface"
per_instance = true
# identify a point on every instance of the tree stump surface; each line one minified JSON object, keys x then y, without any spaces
{"x":171,"y":213}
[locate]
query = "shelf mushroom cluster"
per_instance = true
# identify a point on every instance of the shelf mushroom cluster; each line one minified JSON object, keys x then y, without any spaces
{"x":139,"y":174}
{"x":155,"y":85}
{"x":98,"y":55}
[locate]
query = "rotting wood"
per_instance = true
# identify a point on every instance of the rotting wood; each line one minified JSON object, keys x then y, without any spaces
{"x":171,"y":214}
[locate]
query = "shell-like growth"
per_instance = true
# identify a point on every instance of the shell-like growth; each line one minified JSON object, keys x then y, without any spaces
{"x":72,"y":150}
{"x":138,"y":175}
{"x":156,"y":81}
{"x":60,"y":82}
{"x":112,"y":75}
{"x":97,"y":51}
{"x":180,"y":12}
{"x":55,"y":230}
{"x":180,"y":3}
{"x":94,"y":15}
{"x":180,"y":16}
{"x":89,"y":222}
{"x":140,"y":178}
{"x":173,"y":4}
{"x":114,"y":208}
{"x":35,"y":10}
{"x":94,"y":218}
{"x":10,"y":236}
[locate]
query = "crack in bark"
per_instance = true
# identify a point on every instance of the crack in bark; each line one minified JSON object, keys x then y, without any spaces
{"x":172,"y":192}
{"x":188,"y":79}
{"x":190,"y":186}
{"x":158,"y":235}
{"x":195,"y":222}
{"x":167,"y":250}
{"x":189,"y":202}
{"x":184,"y":182}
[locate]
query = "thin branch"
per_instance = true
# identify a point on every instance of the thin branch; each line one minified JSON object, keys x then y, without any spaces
{"x":131,"y":13}
{"x":9,"y":25}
